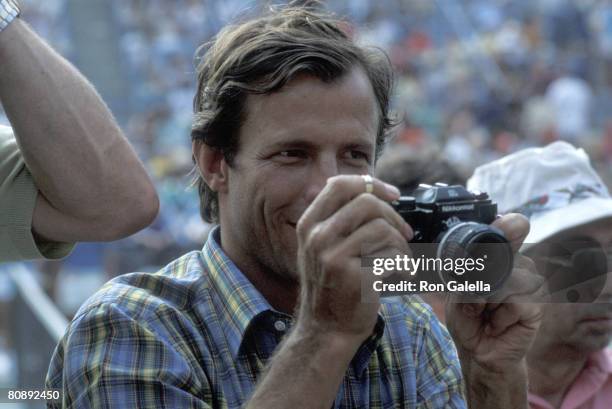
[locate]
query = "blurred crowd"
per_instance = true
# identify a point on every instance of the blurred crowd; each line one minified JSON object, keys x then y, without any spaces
{"x":476,"y":79}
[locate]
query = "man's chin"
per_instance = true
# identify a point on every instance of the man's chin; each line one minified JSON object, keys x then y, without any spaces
{"x":290,"y":269}
{"x":287,"y":264}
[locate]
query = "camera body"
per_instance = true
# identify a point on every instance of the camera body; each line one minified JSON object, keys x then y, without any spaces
{"x":452,"y":222}
{"x":434,"y":209}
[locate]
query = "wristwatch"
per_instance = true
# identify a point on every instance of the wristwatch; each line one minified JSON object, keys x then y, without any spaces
{"x":9,"y":10}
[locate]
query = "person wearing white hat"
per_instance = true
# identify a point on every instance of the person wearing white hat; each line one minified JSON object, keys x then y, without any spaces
{"x":570,"y":212}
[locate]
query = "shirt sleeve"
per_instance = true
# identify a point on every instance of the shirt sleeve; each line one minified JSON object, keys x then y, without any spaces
{"x":17,"y":200}
{"x":108,"y":359}
{"x":439,"y":376}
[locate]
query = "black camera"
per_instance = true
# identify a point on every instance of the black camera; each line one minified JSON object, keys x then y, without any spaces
{"x":452,"y":223}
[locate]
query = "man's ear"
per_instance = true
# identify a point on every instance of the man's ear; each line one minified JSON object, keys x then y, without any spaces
{"x":211,"y":165}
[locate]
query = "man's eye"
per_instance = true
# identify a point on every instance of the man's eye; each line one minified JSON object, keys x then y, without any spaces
{"x":291,"y":155}
{"x":359,"y":155}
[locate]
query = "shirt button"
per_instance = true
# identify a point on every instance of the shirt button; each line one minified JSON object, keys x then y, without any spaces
{"x":280,"y":326}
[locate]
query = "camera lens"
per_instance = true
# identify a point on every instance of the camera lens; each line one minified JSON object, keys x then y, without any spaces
{"x":487,"y":255}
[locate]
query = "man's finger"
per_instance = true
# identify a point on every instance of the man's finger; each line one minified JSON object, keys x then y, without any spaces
{"x":510,"y":314}
{"x":375,"y":236}
{"x":515,"y":227}
{"x":361,"y":210}
{"x":341,"y":189}
{"x":502,"y":318}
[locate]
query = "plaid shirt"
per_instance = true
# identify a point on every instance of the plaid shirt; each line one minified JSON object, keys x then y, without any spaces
{"x":197,"y":334}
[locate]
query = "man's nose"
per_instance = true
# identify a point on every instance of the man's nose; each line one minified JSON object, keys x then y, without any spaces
{"x":322,"y":169}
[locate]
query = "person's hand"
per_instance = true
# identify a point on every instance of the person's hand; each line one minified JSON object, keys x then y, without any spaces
{"x":342,"y":225}
{"x":495,"y":334}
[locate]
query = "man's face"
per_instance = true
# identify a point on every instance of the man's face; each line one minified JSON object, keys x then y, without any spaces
{"x":586,"y":327}
{"x":291,"y":142}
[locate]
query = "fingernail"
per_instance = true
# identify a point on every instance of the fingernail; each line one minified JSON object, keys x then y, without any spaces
{"x":392,"y":190}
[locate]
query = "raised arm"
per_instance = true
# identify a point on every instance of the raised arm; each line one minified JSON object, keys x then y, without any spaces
{"x":92,"y":186}
{"x":493,"y":337}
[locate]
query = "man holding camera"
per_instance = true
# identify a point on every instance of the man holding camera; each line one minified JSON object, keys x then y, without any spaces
{"x":570,"y":211}
{"x":290,"y":116}
{"x":67,"y":173}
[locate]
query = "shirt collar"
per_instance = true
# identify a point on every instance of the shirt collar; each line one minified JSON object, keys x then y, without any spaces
{"x":238,"y":302}
{"x":361,"y":360}
{"x":241,"y":304}
{"x":588,"y":382}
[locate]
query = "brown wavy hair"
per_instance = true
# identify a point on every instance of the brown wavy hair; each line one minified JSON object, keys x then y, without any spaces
{"x":259,"y":57}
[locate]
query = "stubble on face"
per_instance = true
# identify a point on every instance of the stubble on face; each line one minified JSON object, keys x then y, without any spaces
{"x":291,"y":142}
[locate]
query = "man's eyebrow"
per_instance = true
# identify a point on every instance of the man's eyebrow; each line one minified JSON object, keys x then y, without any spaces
{"x":292,"y":143}
{"x":308,"y":144}
{"x":366,"y":145}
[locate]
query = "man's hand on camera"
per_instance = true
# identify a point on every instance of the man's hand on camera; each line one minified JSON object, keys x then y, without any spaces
{"x":492,"y":336}
{"x":342,"y":225}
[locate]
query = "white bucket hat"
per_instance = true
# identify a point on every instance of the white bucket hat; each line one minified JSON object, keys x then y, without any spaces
{"x":554,"y":186}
